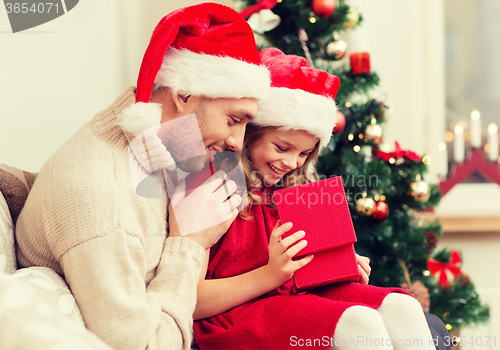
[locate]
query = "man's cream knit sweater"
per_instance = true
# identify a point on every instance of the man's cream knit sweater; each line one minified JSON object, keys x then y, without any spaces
{"x":135,"y":287}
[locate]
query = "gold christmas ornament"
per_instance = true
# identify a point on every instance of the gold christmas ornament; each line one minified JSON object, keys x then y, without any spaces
{"x":335,"y":50}
{"x":352,"y":18}
{"x":420,"y":191}
{"x":365,"y":206}
{"x":373,"y":133}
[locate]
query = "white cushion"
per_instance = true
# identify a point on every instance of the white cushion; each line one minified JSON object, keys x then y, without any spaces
{"x":37,"y":311}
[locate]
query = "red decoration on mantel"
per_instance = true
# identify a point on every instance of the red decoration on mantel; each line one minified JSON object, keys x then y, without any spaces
{"x":476,"y":163}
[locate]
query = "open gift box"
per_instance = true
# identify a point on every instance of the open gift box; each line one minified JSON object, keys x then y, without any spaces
{"x":320,"y":209}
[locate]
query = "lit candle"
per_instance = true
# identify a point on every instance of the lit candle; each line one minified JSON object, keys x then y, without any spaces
{"x":475,"y":129}
{"x":459,"y":146}
{"x":493,"y":142}
{"x":443,"y":172}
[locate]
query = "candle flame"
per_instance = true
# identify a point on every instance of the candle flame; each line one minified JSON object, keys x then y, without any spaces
{"x":475,"y":115}
{"x":459,"y":129}
{"x":442,"y":146}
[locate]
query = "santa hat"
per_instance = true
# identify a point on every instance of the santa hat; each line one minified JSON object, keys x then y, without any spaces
{"x":300,"y":98}
{"x":206,"y":50}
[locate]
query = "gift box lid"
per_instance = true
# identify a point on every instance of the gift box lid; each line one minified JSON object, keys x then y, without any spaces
{"x":320,"y":209}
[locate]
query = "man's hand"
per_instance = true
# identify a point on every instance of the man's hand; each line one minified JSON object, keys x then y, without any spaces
{"x":206,"y":214}
{"x":363,"y":268}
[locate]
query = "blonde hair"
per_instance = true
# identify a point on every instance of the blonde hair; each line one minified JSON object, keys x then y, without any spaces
{"x":304,"y":174}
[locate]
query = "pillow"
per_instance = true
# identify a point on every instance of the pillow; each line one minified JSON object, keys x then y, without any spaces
{"x":15,"y":185}
{"x":8,"y":262}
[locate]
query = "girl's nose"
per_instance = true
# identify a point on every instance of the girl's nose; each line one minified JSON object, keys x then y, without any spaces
{"x":290,"y":161}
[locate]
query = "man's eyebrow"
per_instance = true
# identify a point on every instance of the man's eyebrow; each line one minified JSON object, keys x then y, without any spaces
{"x":245,"y":114}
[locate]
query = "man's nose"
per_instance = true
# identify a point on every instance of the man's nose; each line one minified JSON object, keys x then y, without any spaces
{"x":235,"y":139}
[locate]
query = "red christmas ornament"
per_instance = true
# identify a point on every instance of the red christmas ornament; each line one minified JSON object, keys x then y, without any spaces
{"x":324,"y":8}
{"x":360,"y":63}
{"x":339,"y":123}
{"x":444,"y":268}
{"x":381,"y":211}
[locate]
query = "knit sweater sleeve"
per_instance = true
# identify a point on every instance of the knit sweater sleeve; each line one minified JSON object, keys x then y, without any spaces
{"x":105,"y":276}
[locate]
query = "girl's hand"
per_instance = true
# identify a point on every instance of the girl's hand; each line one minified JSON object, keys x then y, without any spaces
{"x":281,"y":251}
{"x":363,"y":268}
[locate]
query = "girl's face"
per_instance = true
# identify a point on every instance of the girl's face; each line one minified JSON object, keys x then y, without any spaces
{"x":278,"y":152}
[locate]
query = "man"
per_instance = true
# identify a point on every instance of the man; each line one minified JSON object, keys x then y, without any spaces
{"x":131,"y":272}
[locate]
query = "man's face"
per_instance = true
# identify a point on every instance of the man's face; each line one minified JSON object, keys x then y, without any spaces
{"x":222,"y":123}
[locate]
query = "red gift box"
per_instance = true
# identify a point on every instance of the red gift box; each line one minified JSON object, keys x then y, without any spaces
{"x":320,"y":209}
{"x":360,"y":63}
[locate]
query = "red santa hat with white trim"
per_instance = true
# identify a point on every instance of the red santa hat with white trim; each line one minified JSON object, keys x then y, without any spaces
{"x":206,"y":50}
{"x":300,"y":98}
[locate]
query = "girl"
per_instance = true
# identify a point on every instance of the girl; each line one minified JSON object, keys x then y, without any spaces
{"x":247,"y":299}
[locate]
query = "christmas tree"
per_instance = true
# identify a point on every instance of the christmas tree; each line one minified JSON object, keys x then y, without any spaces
{"x":385,"y":188}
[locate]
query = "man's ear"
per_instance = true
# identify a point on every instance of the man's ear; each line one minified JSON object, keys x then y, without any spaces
{"x":180,"y":101}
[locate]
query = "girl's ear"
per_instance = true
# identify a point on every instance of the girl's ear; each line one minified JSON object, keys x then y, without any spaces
{"x":180,"y":101}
